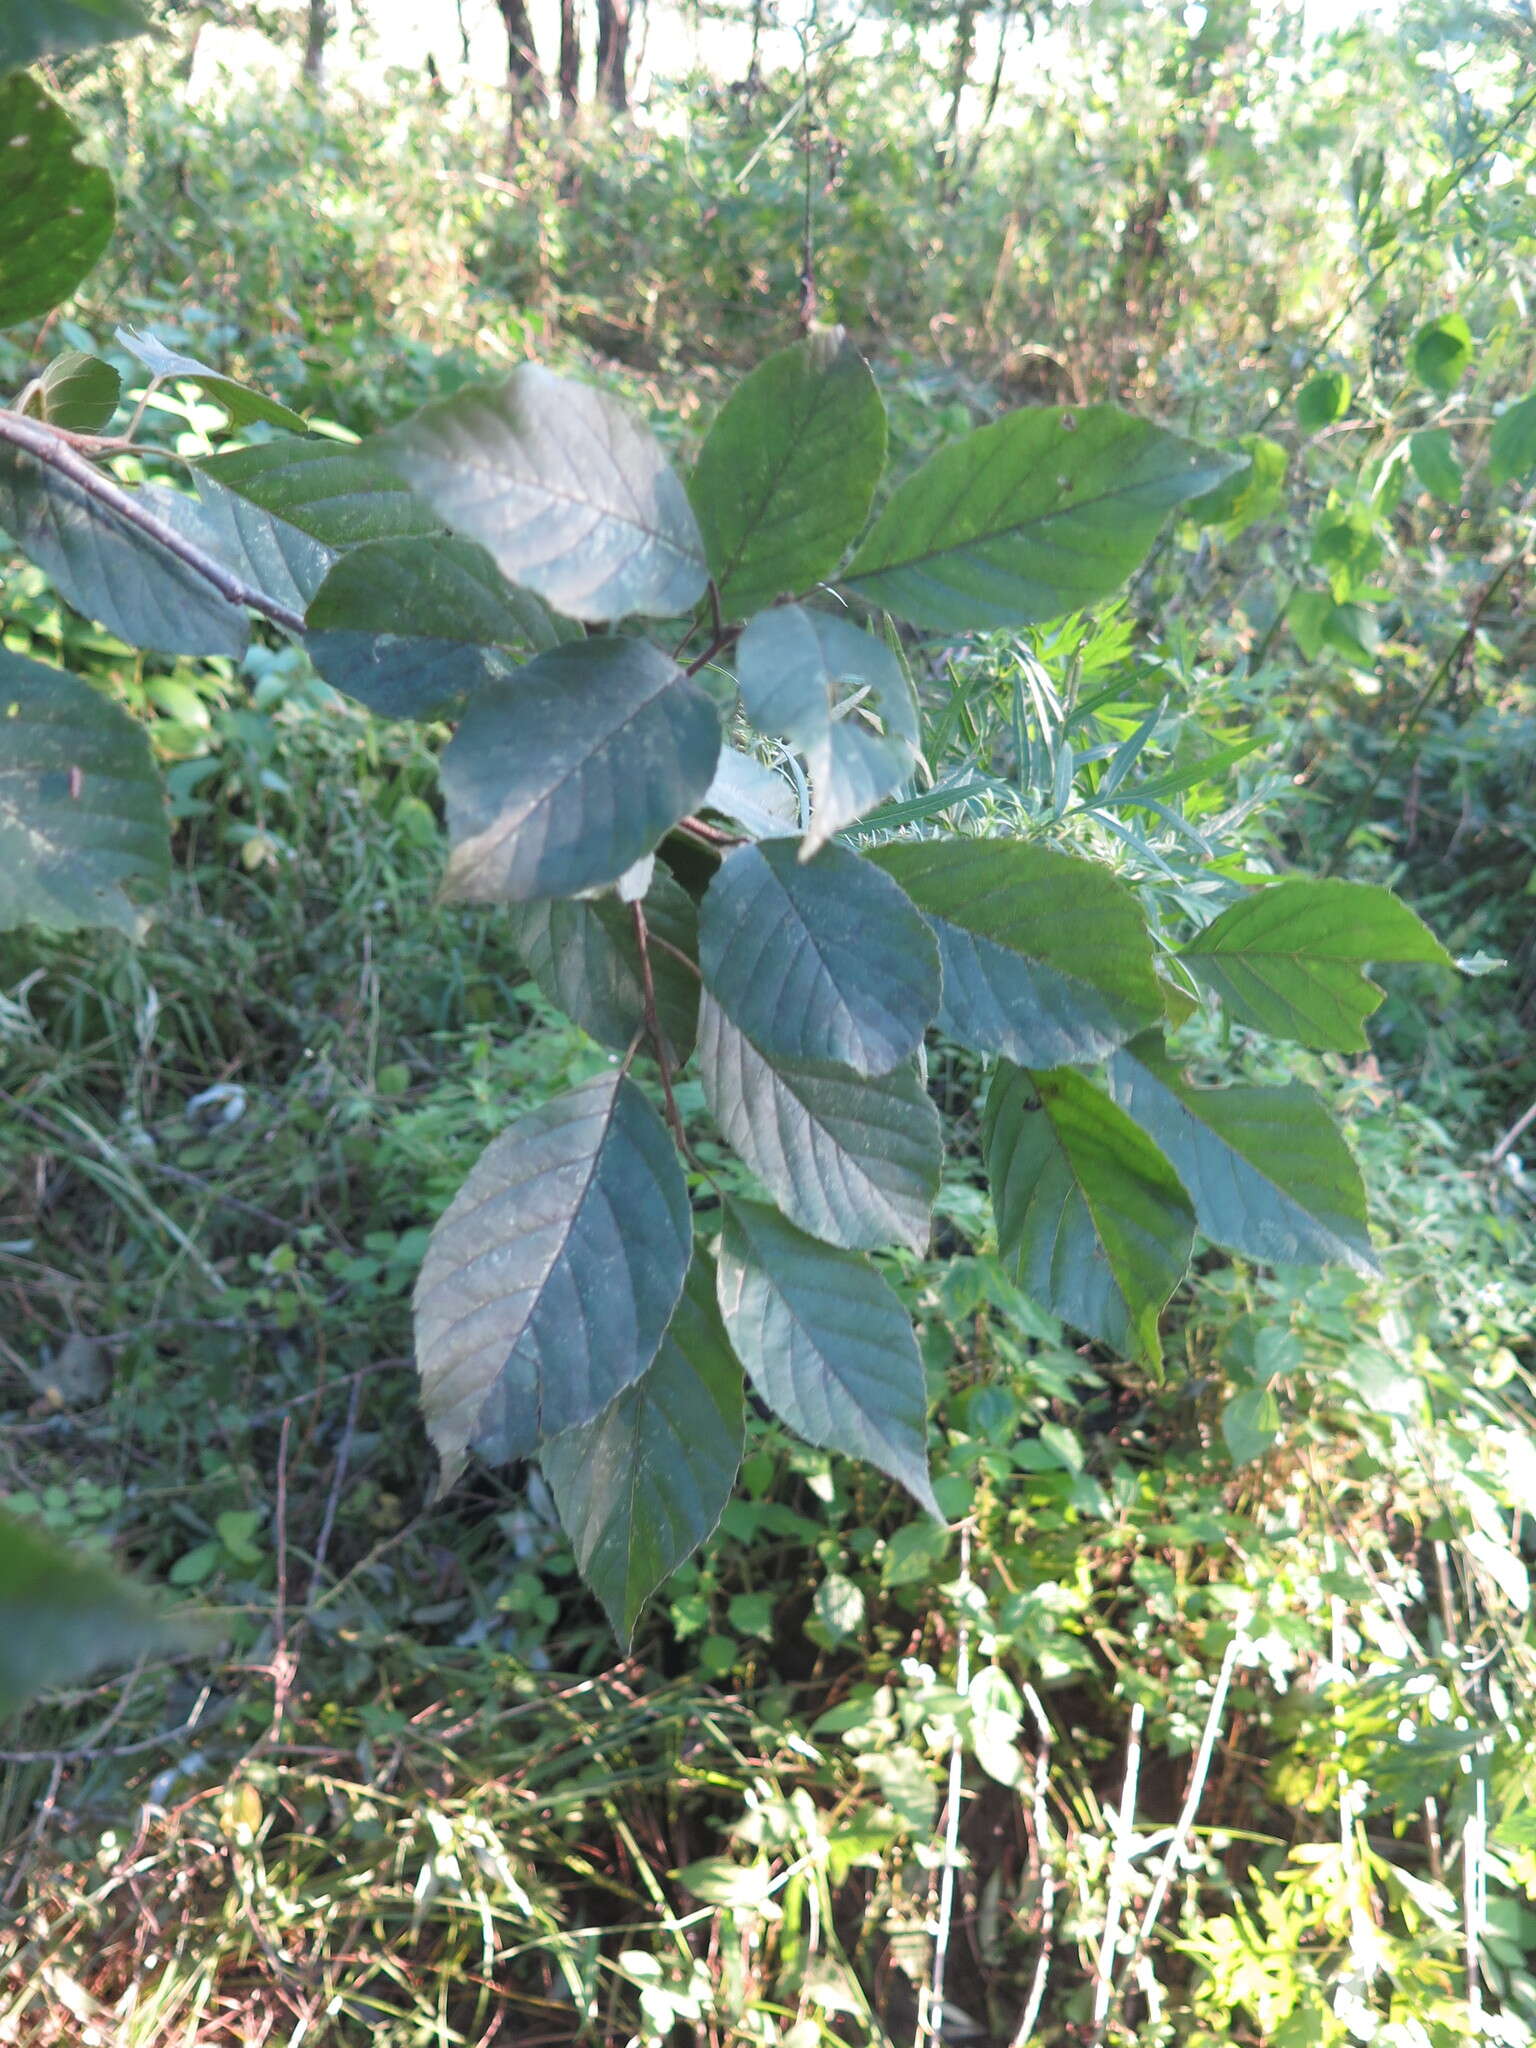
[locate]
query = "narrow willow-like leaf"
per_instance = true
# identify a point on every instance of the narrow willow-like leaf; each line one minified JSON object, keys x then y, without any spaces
{"x":1046,"y":958}
{"x":586,"y":959}
{"x":56,"y":213}
{"x":82,"y":813}
{"x":1267,"y":1169}
{"x":411,"y":628}
{"x":839,"y":695}
{"x":563,"y":775}
{"x":1288,"y":959}
{"x":822,"y":960}
{"x":787,"y":473}
{"x":343,"y":496}
{"x":850,"y":1159}
{"x":1088,"y":1210}
{"x":63,"y":1616}
{"x":641,"y":1487}
{"x":1037,"y":515}
{"x":76,"y":392}
{"x":569,"y":491}
{"x":109,"y":569}
{"x":827,"y":1343}
{"x":30,"y":29}
{"x":240,"y":402}
{"x":552,"y":1274}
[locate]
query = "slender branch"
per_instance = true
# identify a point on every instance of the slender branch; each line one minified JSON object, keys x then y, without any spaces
{"x":1042,"y":1823}
{"x":46,"y":447}
{"x":1119,"y":1876}
{"x":1513,"y":1135}
{"x":931,"y":2024}
{"x":711,"y":835}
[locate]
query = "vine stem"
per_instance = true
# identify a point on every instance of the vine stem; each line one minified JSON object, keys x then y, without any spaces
{"x":46,"y":447}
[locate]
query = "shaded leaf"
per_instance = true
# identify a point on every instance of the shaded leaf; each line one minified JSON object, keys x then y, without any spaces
{"x":640,"y":1487}
{"x":570,"y":493}
{"x":343,"y":496}
{"x":1037,"y":515}
{"x":1442,"y":353}
{"x":265,"y":552}
{"x":1267,"y":1169}
{"x":240,"y":402}
{"x":751,"y":795}
{"x":30,"y":29}
{"x":787,"y":473}
{"x":839,"y":695}
{"x":1322,"y":401}
{"x":821,"y":960}
{"x":585,"y":958}
{"x":56,"y":213}
{"x":1512,"y":444}
{"x":570,"y":770}
{"x":82,"y":814}
{"x":63,"y":1616}
{"x":1433,"y":455}
{"x":552,"y":1274}
{"x":1088,"y":1211}
{"x":1250,"y":1423}
{"x":1046,"y":958}
{"x":827,"y":1344}
{"x":851,"y":1159}
{"x":1289,"y":959}
{"x":76,"y":392}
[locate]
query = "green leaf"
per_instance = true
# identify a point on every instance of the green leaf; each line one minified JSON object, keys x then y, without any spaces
{"x":1037,"y":515}
{"x":640,"y":1487}
{"x":571,"y":494}
{"x":839,"y":695}
{"x":30,"y":29}
{"x":1269,"y":1174}
{"x":62,"y":1616}
{"x":1255,"y":491}
{"x":343,"y":496}
{"x":1046,"y":958}
{"x":109,"y":568}
{"x":827,"y":1344}
{"x":1250,"y":1423}
{"x":1088,"y":1211}
{"x":1442,"y":353}
{"x":787,"y":473}
{"x":851,"y":1159}
{"x":585,"y":958}
{"x":411,"y":627}
{"x":551,"y":1276}
{"x":821,"y":961}
{"x":1288,"y":959}
{"x":56,"y":213}
{"x":1322,"y":401}
{"x":1433,"y":455}
{"x":1512,"y":445}
{"x":240,"y":402}
{"x":76,"y":392}
{"x":265,"y":552}
{"x":82,"y":815}
{"x":563,"y":775}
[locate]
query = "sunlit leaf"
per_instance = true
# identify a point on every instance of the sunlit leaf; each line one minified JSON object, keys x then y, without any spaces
{"x":240,"y":402}
{"x":76,"y":392}
{"x":56,"y":213}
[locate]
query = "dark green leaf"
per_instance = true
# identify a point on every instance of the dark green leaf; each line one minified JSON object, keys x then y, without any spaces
{"x":1512,"y":445}
{"x":343,"y":496}
{"x":1322,"y":401}
{"x":571,"y":494}
{"x":786,"y":476}
{"x":82,"y":815}
{"x":839,"y":695}
{"x":563,"y":775}
{"x":641,"y":1486}
{"x":1266,"y":1168}
{"x":63,"y":1616}
{"x":76,"y":392}
{"x":240,"y":402}
{"x":1088,"y":1210}
{"x":585,"y":958}
{"x":827,"y":1344}
{"x":410,"y":627}
{"x":1442,"y":353}
{"x":1433,"y":455}
{"x":851,"y":1159}
{"x":821,"y":961}
{"x":1256,"y":491}
{"x":266,"y":553}
{"x":1250,"y":1423}
{"x":56,"y":213}
{"x":109,"y":568}
{"x":1042,"y":513}
{"x":1288,"y":959}
{"x":30,"y":29}
{"x":1046,"y":958}
{"x":552,"y":1274}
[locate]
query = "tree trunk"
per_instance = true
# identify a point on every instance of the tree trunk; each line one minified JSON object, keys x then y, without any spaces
{"x":613,"y":53}
{"x":959,"y":79}
{"x":525,"y":77}
{"x":570,"y":59}
{"x":319,"y":27}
